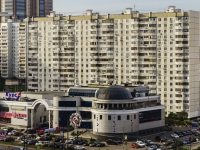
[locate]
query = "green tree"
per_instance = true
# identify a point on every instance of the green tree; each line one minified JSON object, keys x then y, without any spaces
{"x":182,"y":115}
{"x":172,"y":115}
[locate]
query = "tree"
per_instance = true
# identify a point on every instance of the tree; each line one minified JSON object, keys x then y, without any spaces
{"x":182,"y":115}
{"x":172,"y":115}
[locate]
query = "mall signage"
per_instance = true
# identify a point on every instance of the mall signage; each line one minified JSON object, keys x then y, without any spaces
{"x":12,"y":115}
{"x":13,"y":96}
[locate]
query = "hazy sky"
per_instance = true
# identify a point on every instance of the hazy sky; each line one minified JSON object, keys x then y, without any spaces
{"x":78,"y":7}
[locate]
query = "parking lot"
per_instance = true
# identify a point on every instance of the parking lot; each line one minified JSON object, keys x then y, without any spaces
{"x":120,"y":146}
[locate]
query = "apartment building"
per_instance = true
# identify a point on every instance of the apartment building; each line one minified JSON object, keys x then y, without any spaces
{"x":159,"y":49}
{"x":13,"y":49}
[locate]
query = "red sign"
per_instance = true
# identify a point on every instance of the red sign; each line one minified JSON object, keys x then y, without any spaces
{"x":13,"y":114}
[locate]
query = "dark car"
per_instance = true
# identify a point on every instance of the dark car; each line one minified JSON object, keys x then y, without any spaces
{"x":160,"y":138}
{"x":148,"y":142}
{"x":57,"y":139}
{"x":184,"y":133}
{"x":99,"y":144}
{"x":188,"y":132}
{"x":9,"y":139}
{"x":92,"y":144}
{"x":167,"y":128}
{"x":112,"y":142}
{"x":153,"y":147}
{"x":179,"y":134}
{"x":32,"y":142}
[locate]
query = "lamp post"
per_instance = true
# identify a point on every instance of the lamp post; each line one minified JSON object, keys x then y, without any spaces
{"x":123,"y":135}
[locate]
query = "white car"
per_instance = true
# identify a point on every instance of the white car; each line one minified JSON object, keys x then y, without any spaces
{"x":12,"y":132}
{"x":70,"y":140}
{"x":174,"y":135}
{"x":141,"y":144}
{"x":79,"y":147}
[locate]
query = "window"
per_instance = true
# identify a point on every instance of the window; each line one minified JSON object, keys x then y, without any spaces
{"x":128,"y":117}
{"x":134,"y":116}
{"x":94,"y":116}
{"x":119,"y":117}
{"x":109,"y":117}
{"x":149,"y":116}
{"x":100,"y":117}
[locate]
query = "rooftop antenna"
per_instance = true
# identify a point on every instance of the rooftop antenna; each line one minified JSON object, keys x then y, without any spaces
{"x":134,"y":7}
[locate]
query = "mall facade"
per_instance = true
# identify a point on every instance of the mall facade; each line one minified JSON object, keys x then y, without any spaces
{"x":111,"y":110}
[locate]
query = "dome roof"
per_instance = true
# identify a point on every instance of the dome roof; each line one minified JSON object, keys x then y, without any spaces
{"x":115,"y":93}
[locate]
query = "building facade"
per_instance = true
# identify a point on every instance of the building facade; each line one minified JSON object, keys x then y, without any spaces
{"x":159,"y":49}
{"x":20,"y":9}
{"x":112,"y":110}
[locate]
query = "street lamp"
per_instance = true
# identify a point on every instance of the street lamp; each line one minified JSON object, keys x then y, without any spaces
{"x":123,"y":135}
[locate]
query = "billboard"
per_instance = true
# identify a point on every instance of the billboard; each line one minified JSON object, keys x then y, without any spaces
{"x":13,"y":96}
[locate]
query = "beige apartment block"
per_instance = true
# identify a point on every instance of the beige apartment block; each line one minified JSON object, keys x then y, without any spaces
{"x":158,"y":49}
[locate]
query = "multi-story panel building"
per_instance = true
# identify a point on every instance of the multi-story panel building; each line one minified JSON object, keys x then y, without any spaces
{"x":160,"y":50}
{"x":13,"y":49}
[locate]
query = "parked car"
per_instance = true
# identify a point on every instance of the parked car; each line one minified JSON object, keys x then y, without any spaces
{"x":167,"y":128}
{"x":79,"y":148}
{"x":9,"y":139}
{"x":12,"y":132}
{"x":148,"y":142}
{"x":135,"y":145}
{"x":93,"y":144}
{"x":140,"y":143}
{"x":111,"y":142}
{"x":179,"y":134}
{"x":160,"y":138}
{"x":32,"y":142}
{"x":174,"y":135}
{"x":99,"y":144}
{"x":152,"y":147}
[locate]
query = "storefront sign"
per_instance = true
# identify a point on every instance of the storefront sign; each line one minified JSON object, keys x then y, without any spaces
{"x":12,"y":115}
{"x":18,"y":108}
{"x":13,"y":96}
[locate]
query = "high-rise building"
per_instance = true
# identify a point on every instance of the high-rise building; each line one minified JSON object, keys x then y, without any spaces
{"x":159,"y":49}
{"x":20,"y":9}
{"x":39,"y":7}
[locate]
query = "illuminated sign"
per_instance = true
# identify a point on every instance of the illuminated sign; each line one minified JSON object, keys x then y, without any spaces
{"x":18,"y":108}
{"x":13,"y":114}
{"x":13,"y":96}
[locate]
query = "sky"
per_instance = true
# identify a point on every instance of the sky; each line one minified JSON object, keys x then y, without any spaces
{"x":78,"y":7}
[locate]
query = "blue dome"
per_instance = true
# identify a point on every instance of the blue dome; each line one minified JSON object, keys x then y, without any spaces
{"x":115,"y":93}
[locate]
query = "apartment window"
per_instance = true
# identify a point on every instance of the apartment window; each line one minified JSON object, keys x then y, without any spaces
{"x":100,"y":117}
{"x":170,"y":95}
{"x":134,"y":116}
{"x":119,"y":117}
{"x":109,"y":117}
{"x":171,"y":107}
{"x":165,"y":19}
{"x":171,"y":102}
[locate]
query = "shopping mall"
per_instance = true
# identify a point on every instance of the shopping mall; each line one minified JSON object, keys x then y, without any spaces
{"x":110,"y":110}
